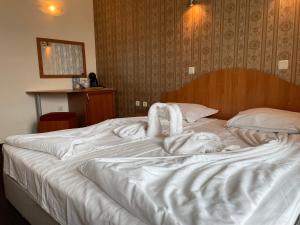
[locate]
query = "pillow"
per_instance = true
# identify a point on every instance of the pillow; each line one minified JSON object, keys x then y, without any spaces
{"x":194,"y":112}
{"x":267,"y":119}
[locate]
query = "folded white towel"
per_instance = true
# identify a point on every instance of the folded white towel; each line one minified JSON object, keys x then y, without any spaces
{"x":194,"y":143}
{"x":133,"y":131}
{"x":176,"y":119}
{"x":154,"y":125}
{"x":172,"y":112}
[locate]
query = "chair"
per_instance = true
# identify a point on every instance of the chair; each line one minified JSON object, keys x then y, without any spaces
{"x":57,"y":121}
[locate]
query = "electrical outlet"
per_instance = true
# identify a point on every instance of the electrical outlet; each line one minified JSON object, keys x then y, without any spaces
{"x":192,"y":70}
{"x":137,"y":103}
{"x":145,"y":104}
{"x":283,"y":64}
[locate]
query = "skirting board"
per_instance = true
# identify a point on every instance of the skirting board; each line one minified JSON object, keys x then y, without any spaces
{"x":22,"y":201}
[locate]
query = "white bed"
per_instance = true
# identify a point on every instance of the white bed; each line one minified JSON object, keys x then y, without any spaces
{"x":70,"y":198}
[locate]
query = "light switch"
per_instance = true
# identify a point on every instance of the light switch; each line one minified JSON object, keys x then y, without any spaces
{"x":145,"y":104}
{"x":192,"y":70}
{"x":283,"y":65}
{"x":137,"y":103}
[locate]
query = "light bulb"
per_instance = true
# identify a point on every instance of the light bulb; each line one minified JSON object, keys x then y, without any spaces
{"x":52,"y":8}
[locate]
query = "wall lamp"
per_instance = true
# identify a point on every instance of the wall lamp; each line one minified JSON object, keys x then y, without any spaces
{"x":193,"y":2}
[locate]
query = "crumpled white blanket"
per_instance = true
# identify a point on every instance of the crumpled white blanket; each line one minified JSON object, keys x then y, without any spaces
{"x":195,"y":143}
{"x":133,"y":131}
{"x":62,"y":144}
{"x":211,"y":189}
{"x":254,"y":137}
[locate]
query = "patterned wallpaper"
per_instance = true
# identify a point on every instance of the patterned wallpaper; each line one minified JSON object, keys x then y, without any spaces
{"x":145,"y":47}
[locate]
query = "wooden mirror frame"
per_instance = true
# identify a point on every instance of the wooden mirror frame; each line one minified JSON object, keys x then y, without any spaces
{"x":39,"y":50}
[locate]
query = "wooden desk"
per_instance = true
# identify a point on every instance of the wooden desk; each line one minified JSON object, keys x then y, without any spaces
{"x":92,"y":105}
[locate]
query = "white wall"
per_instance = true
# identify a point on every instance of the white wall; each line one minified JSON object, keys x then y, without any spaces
{"x":21,"y":22}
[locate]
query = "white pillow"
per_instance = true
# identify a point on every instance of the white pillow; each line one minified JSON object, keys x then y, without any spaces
{"x":267,"y":119}
{"x":194,"y":112}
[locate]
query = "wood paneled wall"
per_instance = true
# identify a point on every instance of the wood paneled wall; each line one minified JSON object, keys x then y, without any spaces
{"x":145,"y":47}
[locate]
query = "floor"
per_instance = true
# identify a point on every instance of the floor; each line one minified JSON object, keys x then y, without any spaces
{"x":8,"y":214}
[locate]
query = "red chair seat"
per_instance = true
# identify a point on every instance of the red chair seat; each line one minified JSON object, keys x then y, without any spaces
{"x":57,"y":121}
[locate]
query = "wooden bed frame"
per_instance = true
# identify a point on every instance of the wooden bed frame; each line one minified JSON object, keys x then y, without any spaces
{"x":234,"y":90}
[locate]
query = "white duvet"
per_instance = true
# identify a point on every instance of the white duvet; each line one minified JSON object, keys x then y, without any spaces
{"x":72,"y":199}
{"x":259,"y":185}
{"x":62,"y":144}
{"x":66,"y":144}
{"x":194,"y":143}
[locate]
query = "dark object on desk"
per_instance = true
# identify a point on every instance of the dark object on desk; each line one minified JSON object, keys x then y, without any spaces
{"x":57,"y":121}
{"x":93,"y":80}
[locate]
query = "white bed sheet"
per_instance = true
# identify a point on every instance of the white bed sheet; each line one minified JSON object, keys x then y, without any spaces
{"x":167,"y":190}
{"x":69,"y":197}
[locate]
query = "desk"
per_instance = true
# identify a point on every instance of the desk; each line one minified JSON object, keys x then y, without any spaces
{"x":92,"y":105}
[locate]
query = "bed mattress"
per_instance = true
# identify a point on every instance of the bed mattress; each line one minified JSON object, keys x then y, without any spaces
{"x":71,"y":198}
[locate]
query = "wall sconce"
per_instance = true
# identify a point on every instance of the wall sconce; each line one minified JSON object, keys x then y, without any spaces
{"x":193,"y":2}
{"x":51,"y":7}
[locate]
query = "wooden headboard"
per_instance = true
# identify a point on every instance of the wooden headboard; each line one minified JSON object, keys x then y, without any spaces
{"x":231,"y":91}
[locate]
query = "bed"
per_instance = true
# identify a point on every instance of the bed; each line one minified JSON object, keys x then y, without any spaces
{"x":50,"y":191}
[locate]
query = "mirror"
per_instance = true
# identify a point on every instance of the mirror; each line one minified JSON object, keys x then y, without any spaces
{"x":61,"y":59}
